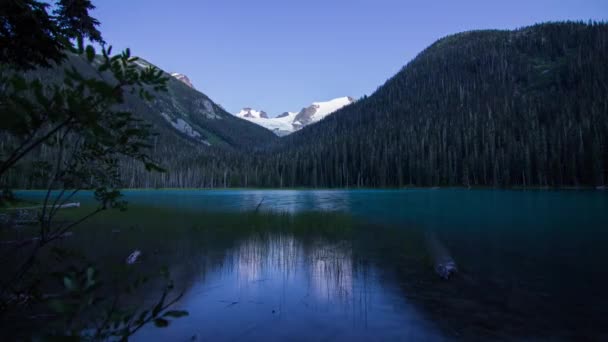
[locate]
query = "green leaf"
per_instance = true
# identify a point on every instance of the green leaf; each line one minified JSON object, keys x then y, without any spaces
{"x":176,"y":313}
{"x":80,"y":45}
{"x":127,"y":318}
{"x":161,"y":322}
{"x":68,"y":283}
{"x":90,"y":53}
{"x":58,"y":306}
{"x":90,"y":277}
{"x":19,"y":83}
{"x":164,"y":272}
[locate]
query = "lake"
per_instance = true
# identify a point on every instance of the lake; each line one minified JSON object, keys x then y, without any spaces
{"x":359,"y":264}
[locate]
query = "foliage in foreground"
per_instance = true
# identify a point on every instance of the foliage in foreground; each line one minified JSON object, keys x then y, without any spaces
{"x":69,"y":134}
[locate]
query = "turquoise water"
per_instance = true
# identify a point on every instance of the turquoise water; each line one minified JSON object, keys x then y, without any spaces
{"x":531,"y":266}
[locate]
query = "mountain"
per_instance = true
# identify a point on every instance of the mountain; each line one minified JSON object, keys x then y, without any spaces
{"x":289,"y":122}
{"x":526,"y":107}
{"x":195,"y":139}
{"x":500,"y":108}
{"x":194,"y":115}
{"x":183,"y":78}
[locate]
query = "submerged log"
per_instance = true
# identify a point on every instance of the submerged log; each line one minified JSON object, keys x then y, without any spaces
{"x":69,"y":205}
{"x":443,"y":263}
{"x":23,"y":242}
{"x":63,"y":206}
{"x":25,"y":216}
{"x":259,"y":205}
{"x":132,"y":258}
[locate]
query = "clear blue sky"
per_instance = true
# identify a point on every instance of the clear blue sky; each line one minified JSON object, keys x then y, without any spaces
{"x":282,"y":55}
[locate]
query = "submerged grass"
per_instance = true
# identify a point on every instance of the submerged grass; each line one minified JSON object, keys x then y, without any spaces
{"x":169,"y":220}
{"x":169,"y":233}
{"x":193,"y":244}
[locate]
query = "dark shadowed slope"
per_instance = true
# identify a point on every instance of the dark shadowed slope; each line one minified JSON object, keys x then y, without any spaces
{"x":496,"y":108}
{"x":195,"y":136}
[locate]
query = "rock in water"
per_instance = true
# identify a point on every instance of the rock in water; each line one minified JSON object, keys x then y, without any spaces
{"x":443,"y":263}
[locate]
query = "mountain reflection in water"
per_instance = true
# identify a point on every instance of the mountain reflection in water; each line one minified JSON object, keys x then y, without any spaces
{"x":280,"y":288}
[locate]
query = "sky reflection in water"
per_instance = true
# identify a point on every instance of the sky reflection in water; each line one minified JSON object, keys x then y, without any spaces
{"x":531,"y":262}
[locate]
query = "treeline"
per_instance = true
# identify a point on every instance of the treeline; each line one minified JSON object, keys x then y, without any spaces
{"x":527,"y":107}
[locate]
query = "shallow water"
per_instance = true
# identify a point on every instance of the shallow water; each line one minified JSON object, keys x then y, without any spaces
{"x":531,"y":265}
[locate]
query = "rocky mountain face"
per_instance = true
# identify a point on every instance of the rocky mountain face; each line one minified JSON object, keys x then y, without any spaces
{"x":289,"y":122}
{"x":252,"y":113}
{"x":194,"y":115}
{"x":192,"y":133}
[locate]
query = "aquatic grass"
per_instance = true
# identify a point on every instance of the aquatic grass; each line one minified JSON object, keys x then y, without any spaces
{"x":164,"y":234}
{"x":166,"y":220}
{"x":189,"y":241}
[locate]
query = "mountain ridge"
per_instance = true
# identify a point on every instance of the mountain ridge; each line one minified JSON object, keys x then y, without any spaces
{"x":498,"y":108}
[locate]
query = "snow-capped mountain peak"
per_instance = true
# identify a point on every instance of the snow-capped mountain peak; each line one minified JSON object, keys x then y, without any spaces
{"x":289,"y":122}
{"x":183,"y":78}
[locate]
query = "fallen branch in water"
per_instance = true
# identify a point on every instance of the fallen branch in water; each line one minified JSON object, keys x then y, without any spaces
{"x":259,"y":205}
{"x":443,"y":263}
{"x":132,"y":258}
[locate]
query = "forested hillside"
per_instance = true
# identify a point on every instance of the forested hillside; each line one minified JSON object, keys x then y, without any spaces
{"x":495,"y":108}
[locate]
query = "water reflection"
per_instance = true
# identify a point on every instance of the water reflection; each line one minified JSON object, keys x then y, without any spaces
{"x":331,"y":272}
{"x":291,"y":201}
{"x":532,"y":263}
{"x":280,"y":288}
{"x":269,"y":200}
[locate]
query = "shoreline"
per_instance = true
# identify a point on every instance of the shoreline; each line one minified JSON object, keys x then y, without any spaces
{"x":518,"y":188}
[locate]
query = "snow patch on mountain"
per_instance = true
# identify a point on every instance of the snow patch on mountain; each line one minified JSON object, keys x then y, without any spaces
{"x":328,"y":107}
{"x":290,"y":122}
{"x":184,"y":127}
{"x":183,"y":78}
{"x":207,"y":109}
{"x":280,"y":125}
{"x":143,"y":63}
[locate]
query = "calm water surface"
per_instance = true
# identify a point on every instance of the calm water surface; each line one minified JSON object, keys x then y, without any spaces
{"x":532,"y":265}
